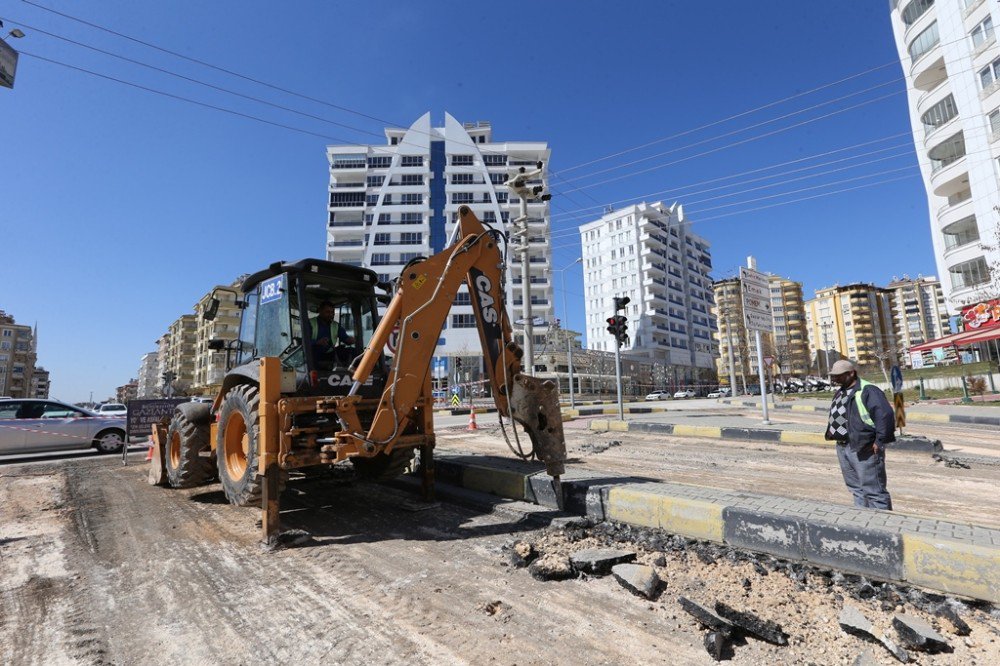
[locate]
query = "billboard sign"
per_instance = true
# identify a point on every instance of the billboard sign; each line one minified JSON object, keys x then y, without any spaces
{"x":8,"y":64}
{"x":142,"y":414}
{"x":756,"y":300}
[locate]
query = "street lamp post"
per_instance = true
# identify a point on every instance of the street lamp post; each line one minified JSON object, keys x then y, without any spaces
{"x":569,"y":341}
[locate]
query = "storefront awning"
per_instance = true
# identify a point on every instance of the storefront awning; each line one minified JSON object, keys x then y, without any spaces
{"x":960,"y":339}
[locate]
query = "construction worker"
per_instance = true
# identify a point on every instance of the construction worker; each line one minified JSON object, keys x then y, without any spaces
{"x":862,"y":423}
{"x":327,"y":333}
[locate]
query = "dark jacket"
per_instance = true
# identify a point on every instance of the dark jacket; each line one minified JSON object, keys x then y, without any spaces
{"x":861,"y":435}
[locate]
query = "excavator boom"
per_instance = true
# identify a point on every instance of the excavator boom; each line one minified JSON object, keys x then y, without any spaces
{"x":424,"y":295}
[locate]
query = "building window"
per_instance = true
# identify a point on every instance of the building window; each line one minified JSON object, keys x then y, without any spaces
{"x":970,"y":273}
{"x":961,"y":233}
{"x":989,"y":74}
{"x":383,"y":239}
{"x":461,"y":178}
{"x":408,"y":257}
{"x":924,"y":42}
{"x":412,"y":160}
{"x":939,"y":114}
{"x":498,"y":178}
{"x":994,"y":122}
{"x":461,"y":160}
{"x":375,"y":181}
{"x":346,"y":199}
{"x":381,"y":162}
{"x":371,"y":200}
{"x":463,"y":298}
{"x":410,"y":238}
{"x":494,"y":160}
{"x":946,"y":152}
{"x":411,"y":179}
{"x":411,"y":218}
{"x":7,"y":333}
{"x":348,"y":162}
{"x":381,"y":259}
{"x":463,"y":321}
{"x":502,"y":197}
{"x":413,"y":199}
{"x":983,"y":32}
{"x":461,"y":197}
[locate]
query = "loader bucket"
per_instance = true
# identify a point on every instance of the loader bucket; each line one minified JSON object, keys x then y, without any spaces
{"x":534,"y":404}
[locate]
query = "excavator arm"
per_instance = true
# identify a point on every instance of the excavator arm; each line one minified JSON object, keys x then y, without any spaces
{"x":419,"y":308}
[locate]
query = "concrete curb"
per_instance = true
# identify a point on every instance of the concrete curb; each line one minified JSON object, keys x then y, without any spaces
{"x":950,"y":557}
{"x":925,"y":417}
{"x":915,"y":444}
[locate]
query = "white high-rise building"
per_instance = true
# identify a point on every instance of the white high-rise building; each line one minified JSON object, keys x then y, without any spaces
{"x":951,"y":61}
{"x":148,"y":380}
{"x":392,"y":203}
{"x":648,"y":253}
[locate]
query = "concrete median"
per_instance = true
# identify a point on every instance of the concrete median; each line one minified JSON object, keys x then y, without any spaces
{"x":941,"y":555}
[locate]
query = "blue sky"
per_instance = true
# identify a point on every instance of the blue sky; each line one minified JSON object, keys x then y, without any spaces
{"x":120,"y":207}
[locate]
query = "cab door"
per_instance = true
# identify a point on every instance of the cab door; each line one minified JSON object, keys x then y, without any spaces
{"x":55,"y":427}
{"x":11,"y":434}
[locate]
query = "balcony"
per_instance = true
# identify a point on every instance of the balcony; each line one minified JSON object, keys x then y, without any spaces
{"x":956,"y":209}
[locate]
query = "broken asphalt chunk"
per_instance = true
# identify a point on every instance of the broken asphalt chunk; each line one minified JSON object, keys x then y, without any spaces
{"x":706,"y":617}
{"x":598,"y":561}
{"x":756,"y":626}
{"x":853,"y":621}
{"x":522,"y":554}
{"x":951,"y":615}
{"x":716,"y":644}
{"x":896,"y":651}
{"x":551,"y":567}
{"x":566,"y":522}
{"x":638,"y":579}
{"x":917,"y":634}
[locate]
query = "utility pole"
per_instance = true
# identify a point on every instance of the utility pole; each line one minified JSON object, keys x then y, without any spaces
{"x":518,"y":185}
{"x":569,"y":342}
{"x":618,"y":327}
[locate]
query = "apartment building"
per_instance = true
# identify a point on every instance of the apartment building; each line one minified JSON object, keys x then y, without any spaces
{"x":40,"y":383}
{"x":392,"y":203}
{"x":182,"y":338}
{"x":126,"y":392}
{"x":648,"y":253}
{"x":209,"y":365}
{"x":951,"y":62}
{"x":852,"y":321}
{"x":732,"y":332}
{"x":920,"y":313}
{"x":162,"y":360}
{"x":790,"y":339}
{"x":148,"y":380}
{"x":17,"y":357}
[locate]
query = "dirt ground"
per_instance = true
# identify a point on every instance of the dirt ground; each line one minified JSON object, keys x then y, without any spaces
{"x":98,"y":567}
{"x":919,"y":485}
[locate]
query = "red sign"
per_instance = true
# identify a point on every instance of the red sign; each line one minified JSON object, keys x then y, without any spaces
{"x":982,"y":315}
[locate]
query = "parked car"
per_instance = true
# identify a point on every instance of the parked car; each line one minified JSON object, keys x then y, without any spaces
{"x":32,"y":425}
{"x":111,"y":409}
{"x":658,"y":395}
{"x":684,"y":393}
{"x":722,"y":392}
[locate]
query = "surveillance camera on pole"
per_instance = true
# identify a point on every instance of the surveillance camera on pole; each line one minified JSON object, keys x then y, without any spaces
{"x":518,"y":185}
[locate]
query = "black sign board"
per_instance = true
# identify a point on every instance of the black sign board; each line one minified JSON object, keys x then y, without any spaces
{"x":142,"y":414}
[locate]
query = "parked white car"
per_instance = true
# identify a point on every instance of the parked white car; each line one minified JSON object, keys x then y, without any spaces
{"x":684,"y":393}
{"x":111,"y":409}
{"x":658,"y":395}
{"x":719,"y":393}
{"x":31,"y":425}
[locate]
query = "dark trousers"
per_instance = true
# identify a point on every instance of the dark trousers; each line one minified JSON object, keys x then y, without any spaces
{"x":864,"y":474}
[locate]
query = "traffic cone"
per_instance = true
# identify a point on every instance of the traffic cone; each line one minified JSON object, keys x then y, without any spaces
{"x":472,"y":420}
{"x":149,"y":451}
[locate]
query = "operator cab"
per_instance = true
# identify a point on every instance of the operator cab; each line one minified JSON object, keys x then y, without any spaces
{"x":316,"y":317}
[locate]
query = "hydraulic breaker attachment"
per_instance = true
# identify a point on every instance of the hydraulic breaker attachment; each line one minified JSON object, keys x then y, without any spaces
{"x":534,"y":404}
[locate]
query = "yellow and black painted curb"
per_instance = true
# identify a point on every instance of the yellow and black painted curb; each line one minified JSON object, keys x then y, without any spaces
{"x":950,"y":557}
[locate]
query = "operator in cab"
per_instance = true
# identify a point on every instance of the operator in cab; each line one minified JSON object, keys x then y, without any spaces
{"x":327,"y":333}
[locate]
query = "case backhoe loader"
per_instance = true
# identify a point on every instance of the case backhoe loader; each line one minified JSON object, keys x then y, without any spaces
{"x":305,"y":389}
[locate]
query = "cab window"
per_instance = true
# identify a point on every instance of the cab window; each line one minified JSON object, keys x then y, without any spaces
{"x":8,"y":409}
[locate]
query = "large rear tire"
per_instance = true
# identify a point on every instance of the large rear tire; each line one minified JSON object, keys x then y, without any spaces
{"x":384,"y":466}
{"x":186,"y":440}
{"x":237,"y":447}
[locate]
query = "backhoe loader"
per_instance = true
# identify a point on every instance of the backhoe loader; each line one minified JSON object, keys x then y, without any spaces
{"x":309,"y":383}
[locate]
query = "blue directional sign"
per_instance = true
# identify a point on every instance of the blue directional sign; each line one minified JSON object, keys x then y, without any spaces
{"x":896,"y":377}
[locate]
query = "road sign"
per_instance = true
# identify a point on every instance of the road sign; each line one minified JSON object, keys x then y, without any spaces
{"x":455,"y":401}
{"x":769,"y":361}
{"x":896,"y":377}
{"x":756,"y":300}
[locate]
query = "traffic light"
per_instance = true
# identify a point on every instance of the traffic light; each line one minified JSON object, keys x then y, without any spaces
{"x":621,"y":302}
{"x":618,"y":327}
{"x":458,"y":363}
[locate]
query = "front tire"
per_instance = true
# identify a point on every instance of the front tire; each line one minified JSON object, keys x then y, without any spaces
{"x":187,"y":438}
{"x":110,"y":441}
{"x":237,"y":447}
